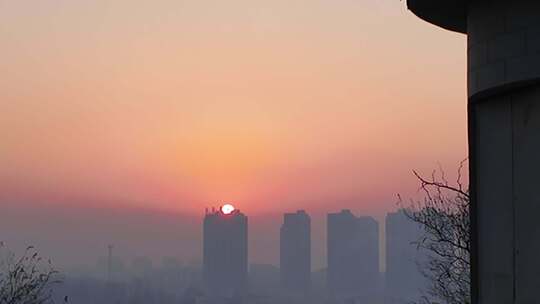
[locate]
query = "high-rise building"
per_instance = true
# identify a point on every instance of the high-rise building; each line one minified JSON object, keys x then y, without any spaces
{"x":353,"y":255}
{"x":225,"y":252}
{"x":295,"y":252}
{"x":404,"y":280}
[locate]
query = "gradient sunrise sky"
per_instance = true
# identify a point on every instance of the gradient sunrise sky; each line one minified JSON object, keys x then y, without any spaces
{"x":175,"y":105}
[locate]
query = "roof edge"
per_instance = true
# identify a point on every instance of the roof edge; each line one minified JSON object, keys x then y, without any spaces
{"x":447,"y":14}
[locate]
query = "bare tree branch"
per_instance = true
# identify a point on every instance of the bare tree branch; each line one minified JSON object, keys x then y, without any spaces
{"x":443,"y":214}
{"x":27,"y":279}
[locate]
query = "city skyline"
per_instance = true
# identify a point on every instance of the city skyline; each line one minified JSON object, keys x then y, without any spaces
{"x":295,"y":235}
{"x":122,"y":120}
{"x":269,"y":152}
{"x":225,"y":275}
{"x":141,"y":114}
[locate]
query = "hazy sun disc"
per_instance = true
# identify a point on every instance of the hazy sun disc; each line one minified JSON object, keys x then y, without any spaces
{"x":227,"y":209}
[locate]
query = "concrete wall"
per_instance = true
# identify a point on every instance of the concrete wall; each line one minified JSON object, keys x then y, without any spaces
{"x":503,"y":43}
{"x":526,"y":165}
{"x":508,"y":197}
{"x":494,"y":201}
{"x":504,"y":96}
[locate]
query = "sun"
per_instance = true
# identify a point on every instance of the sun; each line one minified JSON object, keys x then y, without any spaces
{"x":227,"y":209}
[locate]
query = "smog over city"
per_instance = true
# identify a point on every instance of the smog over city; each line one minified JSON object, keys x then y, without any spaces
{"x":276,"y":152}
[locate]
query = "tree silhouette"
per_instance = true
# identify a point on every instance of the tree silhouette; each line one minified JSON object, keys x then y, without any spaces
{"x":443,"y":214}
{"x":27,"y":279}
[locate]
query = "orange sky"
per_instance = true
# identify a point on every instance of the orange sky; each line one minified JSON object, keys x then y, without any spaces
{"x":177,"y":105}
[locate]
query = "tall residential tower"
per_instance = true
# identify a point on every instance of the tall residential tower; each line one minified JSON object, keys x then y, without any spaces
{"x":353,"y":255}
{"x":295,"y":252}
{"x":225,"y":252}
{"x":404,"y":281}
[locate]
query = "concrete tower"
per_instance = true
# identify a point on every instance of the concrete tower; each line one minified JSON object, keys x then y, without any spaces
{"x":295,"y":252}
{"x":404,"y":281}
{"x":225,"y":252}
{"x":353,"y":255}
{"x":504,"y":140}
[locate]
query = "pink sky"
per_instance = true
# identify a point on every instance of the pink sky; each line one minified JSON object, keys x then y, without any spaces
{"x":177,"y":105}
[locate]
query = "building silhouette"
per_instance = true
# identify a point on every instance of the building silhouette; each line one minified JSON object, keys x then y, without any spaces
{"x":403,"y":279}
{"x":353,"y":255}
{"x":295,"y":252}
{"x":225,"y":253}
